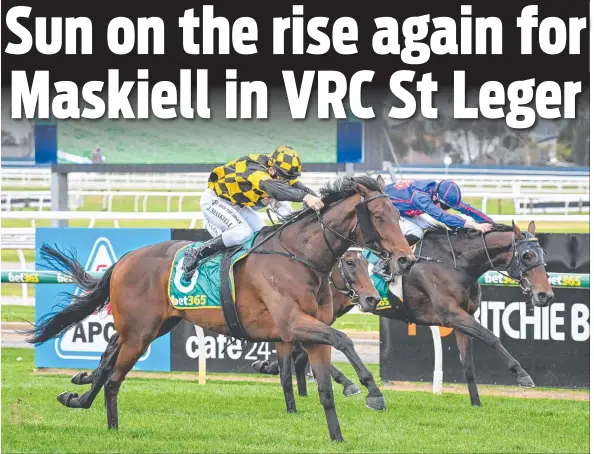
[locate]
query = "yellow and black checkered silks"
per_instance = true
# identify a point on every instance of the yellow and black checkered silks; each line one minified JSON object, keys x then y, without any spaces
{"x":239,"y":180}
{"x":287,"y":159}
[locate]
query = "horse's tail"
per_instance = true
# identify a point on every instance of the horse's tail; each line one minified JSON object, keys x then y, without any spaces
{"x":78,"y":307}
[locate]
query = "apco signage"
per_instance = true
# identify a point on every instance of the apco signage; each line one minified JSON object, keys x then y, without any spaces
{"x":222,"y":354}
{"x":82,"y":345}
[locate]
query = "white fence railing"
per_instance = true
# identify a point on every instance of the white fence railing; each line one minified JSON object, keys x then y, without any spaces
{"x":94,"y":216}
{"x":42,"y":199}
{"x":40,"y":178}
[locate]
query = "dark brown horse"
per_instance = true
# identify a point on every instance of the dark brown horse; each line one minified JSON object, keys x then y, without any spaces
{"x":448,"y":294}
{"x":282,"y":291}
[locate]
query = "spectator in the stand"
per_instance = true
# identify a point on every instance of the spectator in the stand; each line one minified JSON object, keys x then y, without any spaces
{"x":97,"y":156}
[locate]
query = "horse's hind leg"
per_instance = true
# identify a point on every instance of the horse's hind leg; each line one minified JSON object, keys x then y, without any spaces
{"x":130,"y":351}
{"x":283,"y":351}
{"x":349,"y":388}
{"x":82,"y":378}
{"x":465,"y":347}
{"x":99,"y":377}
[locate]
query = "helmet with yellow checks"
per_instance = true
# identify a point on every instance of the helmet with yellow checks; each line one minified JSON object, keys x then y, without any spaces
{"x":286,"y":162}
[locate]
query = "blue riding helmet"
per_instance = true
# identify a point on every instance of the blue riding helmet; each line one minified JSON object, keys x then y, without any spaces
{"x":448,"y":193}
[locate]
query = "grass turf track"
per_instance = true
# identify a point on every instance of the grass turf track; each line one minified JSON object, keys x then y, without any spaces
{"x":171,"y":415}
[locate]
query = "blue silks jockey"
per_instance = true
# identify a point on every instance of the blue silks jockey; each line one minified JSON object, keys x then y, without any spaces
{"x":415,"y":198}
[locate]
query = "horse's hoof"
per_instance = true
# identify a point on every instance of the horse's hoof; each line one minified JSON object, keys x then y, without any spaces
{"x":258,"y":365}
{"x":351,"y":390}
{"x":78,"y":379}
{"x":526,"y":382}
{"x":376,"y":403}
{"x":65,"y":398}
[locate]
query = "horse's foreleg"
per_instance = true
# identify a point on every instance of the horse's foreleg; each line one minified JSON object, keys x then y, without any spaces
{"x":309,"y":329}
{"x":319,"y":357}
{"x":466,"y":358}
{"x":349,"y":388}
{"x":98,"y":378}
{"x":283,"y":351}
{"x":466,"y":323}
{"x":300,"y":360}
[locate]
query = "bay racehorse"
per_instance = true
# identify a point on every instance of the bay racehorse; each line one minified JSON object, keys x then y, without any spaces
{"x":351,"y":286}
{"x":282,"y":292}
{"x":444,"y":291}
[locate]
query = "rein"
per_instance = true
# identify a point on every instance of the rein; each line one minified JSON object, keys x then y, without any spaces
{"x":362,"y":220}
{"x":369,"y":233}
{"x":515,"y":271}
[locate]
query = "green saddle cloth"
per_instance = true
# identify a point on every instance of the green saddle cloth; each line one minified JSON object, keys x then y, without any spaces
{"x":203,"y":290}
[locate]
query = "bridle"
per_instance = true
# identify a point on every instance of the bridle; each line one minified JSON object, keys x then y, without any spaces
{"x":363,"y":221}
{"x":349,"y":291}
{"x":515,"y":267}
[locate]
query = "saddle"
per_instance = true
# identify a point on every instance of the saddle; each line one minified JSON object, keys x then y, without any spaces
{"x":212,"y":284}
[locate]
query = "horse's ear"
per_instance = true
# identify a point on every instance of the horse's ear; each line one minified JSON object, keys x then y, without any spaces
{"x":532,"y":228}
{"x":360,"y":189}
{"x":381,"y":182}
{"x":517,"y":230}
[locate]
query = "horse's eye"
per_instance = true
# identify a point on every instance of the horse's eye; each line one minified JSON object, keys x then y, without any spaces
{"x":378,"y":217}
{"x":527,"y":257}
{"x":350,"y":263}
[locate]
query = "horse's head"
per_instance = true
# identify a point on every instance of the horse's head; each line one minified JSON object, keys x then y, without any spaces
{"x":379,"y":227}
{"x":351,"y":277}
{"x":527,"y":265}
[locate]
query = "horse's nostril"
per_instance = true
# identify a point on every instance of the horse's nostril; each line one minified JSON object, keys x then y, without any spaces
{"x":372,"y":301}
{"x":542,"y":296}
{"x":404,"y":262}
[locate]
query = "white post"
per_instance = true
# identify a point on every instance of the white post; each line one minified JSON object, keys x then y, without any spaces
{"x":24,"y":287}
{"x":438,"y":369}
{"x":201,"y":355}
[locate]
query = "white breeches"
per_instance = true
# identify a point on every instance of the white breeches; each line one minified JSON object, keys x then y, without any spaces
{"x":415,"y":225}
{"x":236,"y":224}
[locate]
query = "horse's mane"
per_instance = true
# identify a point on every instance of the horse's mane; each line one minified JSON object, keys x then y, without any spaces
{"x":440,"y":229}
{"x":336,"y":190}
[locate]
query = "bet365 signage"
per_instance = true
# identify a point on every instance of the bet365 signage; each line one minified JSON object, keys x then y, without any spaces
{"x":82,"y":345}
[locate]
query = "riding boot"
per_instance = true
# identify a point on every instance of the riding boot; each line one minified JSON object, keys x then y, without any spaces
{"x":412,"y":239}
{"x":192,"y":256}
{"x":382,"y":269}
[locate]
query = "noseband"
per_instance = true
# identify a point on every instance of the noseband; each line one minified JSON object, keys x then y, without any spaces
{"x":349,"y":291}
{"x":515,"y":267}
{"x":370,"y":236}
